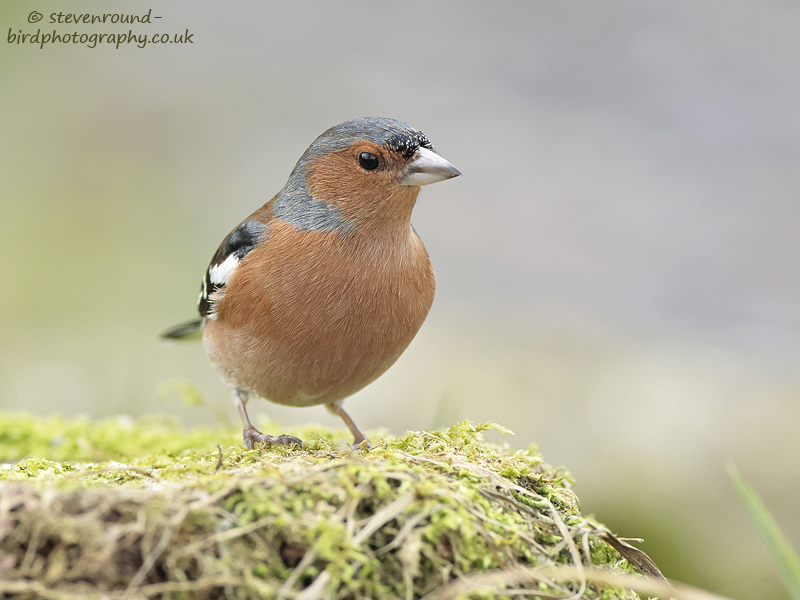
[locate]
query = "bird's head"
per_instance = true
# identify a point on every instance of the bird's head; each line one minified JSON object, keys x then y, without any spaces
{"x":365,"y":172}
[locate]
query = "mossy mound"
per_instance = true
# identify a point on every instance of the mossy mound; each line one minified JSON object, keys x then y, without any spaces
{"x":170,"y":514}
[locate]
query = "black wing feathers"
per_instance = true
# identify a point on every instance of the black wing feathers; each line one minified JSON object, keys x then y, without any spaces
{"x":233,"y":249}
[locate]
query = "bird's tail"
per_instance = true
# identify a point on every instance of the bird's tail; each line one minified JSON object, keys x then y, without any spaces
{"x":184,"y":332}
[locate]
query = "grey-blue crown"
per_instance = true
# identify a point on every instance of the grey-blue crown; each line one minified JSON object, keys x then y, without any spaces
{"x":395,"y":135}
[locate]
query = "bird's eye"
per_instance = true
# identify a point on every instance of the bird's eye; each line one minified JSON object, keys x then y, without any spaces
{"x":368,"y":161}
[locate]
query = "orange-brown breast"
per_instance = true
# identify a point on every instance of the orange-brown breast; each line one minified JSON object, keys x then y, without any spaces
{"x":311,"y":317}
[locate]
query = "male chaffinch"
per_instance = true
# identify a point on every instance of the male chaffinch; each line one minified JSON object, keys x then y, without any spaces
{"x":319,"y":291}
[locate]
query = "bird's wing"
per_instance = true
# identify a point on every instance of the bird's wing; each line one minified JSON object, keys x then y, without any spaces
{"x":233,"y":249}
{"x":246,"y":236}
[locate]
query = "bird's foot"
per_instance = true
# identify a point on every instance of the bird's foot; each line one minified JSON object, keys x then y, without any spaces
{"x":253,"y":436}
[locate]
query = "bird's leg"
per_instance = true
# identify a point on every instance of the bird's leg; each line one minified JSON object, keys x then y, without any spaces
{"x":358,"y":437}
{"x":253,"y":435}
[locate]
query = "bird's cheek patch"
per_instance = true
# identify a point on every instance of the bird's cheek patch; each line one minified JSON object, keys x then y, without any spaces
{"x":339,"y":182}
{"x":335,"y":177}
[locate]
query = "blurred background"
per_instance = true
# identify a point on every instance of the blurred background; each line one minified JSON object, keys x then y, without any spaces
{"x":618,"y":268}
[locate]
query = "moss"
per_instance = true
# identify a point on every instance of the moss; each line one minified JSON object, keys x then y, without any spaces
{"x":145,"y":509}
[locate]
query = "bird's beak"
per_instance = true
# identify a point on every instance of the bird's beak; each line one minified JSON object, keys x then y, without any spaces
{"x":427,"y":167}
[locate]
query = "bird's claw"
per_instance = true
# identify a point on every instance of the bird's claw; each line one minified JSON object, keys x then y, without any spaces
{"x":253,"y":436}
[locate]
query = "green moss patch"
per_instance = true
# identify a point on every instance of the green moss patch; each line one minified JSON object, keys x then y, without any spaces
{"x":146,"y":509}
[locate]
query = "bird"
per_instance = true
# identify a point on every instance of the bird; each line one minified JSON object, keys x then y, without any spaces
{"x":320,"y":290}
